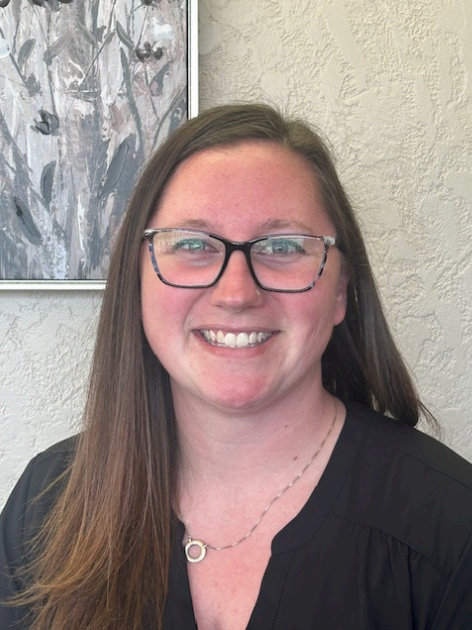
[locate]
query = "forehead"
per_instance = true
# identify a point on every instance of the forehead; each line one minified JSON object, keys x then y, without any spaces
{"x":248,"y":185}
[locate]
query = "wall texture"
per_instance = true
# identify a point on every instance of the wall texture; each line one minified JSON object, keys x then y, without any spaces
{"x":390,"y":83}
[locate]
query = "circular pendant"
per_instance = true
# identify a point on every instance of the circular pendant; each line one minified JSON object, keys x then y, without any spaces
{"x":202,"y":550}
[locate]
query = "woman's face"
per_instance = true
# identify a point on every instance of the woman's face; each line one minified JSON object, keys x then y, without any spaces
{"x":240,"y":193}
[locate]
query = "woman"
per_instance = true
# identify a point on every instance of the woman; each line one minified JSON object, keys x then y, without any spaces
{"x":236,"y":469}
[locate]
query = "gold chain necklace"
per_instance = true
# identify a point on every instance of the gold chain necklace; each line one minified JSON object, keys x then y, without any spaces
{"x":202,"y":547}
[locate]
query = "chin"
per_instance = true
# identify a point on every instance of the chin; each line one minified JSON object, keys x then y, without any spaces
{"x":240,"y":398}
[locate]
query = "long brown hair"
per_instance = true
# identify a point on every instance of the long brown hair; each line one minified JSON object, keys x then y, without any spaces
{"x":106,"y":544}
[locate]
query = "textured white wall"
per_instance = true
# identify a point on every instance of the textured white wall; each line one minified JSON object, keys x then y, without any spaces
{"x":390,"y":83}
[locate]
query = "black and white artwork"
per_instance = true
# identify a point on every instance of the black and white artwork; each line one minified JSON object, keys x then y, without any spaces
{"x":88,"y":90}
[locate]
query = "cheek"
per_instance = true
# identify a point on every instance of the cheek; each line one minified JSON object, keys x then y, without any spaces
{"x":161,"y":329}
{"x":155,"y":318}
{"x":319,"y":312}
{"x":165,"y":314}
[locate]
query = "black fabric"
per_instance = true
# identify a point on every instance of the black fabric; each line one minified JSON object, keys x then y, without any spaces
{"x":383,"y":543}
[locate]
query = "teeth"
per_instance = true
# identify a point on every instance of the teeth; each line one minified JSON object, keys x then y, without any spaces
{"x":242,"y":340}
{"x":232,"y":340}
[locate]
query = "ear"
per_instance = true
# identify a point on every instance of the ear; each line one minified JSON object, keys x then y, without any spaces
{"x":341,"y":294}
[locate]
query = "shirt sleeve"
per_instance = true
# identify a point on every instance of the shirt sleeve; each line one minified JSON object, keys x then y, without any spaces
{"x":24,"y":512}
{"x":455,"y":609}
{"x":12,"y":524}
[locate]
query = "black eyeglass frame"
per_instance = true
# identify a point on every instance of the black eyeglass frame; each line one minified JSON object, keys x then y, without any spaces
{"x":233,"y":246}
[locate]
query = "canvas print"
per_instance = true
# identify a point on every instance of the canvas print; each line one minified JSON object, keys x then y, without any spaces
{"x":88,"y":90}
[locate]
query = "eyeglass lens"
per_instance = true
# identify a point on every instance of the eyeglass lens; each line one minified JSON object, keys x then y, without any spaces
{"x":195,"y":259}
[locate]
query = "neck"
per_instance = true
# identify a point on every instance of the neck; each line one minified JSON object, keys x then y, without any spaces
{"x":230,"y":447}
{"x":225,"y":493}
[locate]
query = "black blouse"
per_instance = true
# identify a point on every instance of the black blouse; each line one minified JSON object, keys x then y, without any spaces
{"x":383,"y":543}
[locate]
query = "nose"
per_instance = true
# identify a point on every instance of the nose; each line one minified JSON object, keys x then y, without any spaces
{"x":236,"y":288}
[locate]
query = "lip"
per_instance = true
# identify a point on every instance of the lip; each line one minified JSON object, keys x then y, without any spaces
{"x":240,"y":339}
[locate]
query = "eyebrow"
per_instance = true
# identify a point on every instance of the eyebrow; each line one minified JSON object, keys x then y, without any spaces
{"x":285,"y":224}
{"x":197,"y":224}
{"x":266,"y":226}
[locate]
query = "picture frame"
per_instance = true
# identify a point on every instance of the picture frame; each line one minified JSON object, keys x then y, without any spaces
{"x":88,"y":90}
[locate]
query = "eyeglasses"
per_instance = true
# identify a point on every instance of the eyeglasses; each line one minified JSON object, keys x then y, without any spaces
{"x":190,"y":259}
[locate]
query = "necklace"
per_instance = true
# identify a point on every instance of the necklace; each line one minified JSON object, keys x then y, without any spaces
{"x":202,"y":547}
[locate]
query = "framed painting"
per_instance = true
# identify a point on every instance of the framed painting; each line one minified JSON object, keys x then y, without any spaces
{"x":88,"y":90}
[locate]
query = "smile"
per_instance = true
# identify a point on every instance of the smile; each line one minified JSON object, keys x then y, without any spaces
{"x":235,"y":340}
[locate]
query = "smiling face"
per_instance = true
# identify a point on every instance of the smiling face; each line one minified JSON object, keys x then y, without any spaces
{"x":232,"y":345}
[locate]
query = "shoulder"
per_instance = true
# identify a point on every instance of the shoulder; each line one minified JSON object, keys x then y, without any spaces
{"x":46,"y":468}
{"x":24,"y":512}
{"x":409,"y":447}
{"x":52,"y":462}
{"x":37,"y":489}
{"x":409,"y":486}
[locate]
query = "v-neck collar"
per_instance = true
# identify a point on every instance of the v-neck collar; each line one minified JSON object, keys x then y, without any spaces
{"x":295,"y":535}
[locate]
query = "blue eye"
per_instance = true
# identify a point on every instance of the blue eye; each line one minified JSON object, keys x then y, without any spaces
{"x":281,"y":246}
{"x":191,"y":245}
